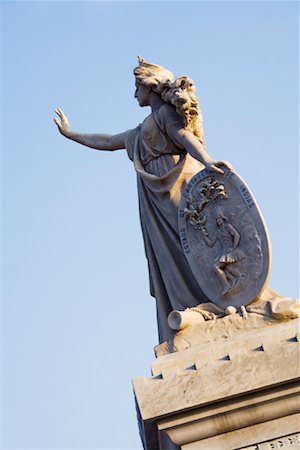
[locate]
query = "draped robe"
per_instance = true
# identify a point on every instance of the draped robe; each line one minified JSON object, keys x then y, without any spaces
{"x":163,"y":169}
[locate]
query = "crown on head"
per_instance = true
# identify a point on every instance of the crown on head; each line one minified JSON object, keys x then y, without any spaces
{"x":155,"y":70}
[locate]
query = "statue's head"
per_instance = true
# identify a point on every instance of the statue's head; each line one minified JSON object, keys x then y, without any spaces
{"x":152,"y":76}
{"x":179,"y":92}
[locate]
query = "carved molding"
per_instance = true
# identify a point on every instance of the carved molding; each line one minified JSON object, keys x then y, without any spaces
{"x":286,"y":442}
{"x":234,"y":420}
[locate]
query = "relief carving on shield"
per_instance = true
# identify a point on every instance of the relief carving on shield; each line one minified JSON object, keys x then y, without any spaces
{"x":224,"y":238}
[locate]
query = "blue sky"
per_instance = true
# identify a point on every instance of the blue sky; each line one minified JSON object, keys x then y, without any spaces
{"x":78,"y":321}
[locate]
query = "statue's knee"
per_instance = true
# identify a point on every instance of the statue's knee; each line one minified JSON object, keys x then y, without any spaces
{"x":217,"y":267}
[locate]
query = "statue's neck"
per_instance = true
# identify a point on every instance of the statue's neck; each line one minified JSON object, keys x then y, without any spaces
{"x":155,"y":101}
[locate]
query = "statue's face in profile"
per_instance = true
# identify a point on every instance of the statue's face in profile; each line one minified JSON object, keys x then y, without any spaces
{"x":142,"y":94}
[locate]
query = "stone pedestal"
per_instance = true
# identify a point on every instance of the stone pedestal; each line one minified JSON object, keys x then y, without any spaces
{"x":235,"y":392}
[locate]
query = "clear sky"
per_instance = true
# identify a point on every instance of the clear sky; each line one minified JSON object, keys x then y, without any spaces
{"x":78,"y":321}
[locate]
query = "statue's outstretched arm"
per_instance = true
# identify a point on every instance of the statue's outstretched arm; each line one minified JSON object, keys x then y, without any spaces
{"x":97,"y":141}
{"x":197,"y":151}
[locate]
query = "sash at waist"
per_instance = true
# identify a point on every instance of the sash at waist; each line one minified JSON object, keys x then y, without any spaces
{"x":162,"y":164}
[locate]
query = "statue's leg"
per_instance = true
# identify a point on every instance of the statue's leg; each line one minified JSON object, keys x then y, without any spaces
{"x":218,"y":267}
{"x":230,"y":276}
{"x":234,"y":272}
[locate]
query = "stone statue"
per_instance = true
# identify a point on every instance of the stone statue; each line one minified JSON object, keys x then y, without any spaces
{"x":167,"y":150}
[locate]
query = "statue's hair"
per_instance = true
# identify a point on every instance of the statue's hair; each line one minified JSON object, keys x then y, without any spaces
{"x":179,"y":92}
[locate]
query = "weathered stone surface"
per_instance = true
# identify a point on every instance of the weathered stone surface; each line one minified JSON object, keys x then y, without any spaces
{"x":208,"y":322}
{"x":210,"y":372}
{"x":220,"y":387}
{"x":227,"y":330}
{"x":291,"y":442}
{"x":277,"y":431}
{"x":224,"y":238}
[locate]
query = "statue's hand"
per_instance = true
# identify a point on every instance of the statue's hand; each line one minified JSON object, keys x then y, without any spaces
{"x":214,"y":166}
{"x":63,"y":124}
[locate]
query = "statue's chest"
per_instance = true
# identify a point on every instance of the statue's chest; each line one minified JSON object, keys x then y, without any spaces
{"x":152,"y":135}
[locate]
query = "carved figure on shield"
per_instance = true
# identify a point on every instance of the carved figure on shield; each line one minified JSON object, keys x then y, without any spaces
{"x":229,"y":238}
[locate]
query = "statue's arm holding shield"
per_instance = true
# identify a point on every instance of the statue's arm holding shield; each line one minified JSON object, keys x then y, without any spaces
{"x":117,"y":142}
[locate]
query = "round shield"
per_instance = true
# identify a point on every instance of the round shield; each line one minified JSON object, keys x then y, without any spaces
{"x":224,"y":238}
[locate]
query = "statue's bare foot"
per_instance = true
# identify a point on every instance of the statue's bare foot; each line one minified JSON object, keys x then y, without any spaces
{"x":227,"y":289}
{"x":230,"y":286}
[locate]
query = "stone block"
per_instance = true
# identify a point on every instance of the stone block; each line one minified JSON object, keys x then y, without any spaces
{"x":226,"y":394}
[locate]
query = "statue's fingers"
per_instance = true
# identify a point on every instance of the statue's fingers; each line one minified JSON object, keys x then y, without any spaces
{"x":63,"y":117}
{"x":224,"y":163}
{"x":228,"y":165}
{"x":57,"y":122}
{"x":61,"y":113}
{"x":216,"y":169}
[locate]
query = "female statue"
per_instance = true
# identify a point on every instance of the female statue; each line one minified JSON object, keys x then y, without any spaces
{"x":167,"y":149}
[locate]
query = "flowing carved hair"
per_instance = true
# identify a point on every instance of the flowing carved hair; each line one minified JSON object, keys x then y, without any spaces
{"x":181,"y":93}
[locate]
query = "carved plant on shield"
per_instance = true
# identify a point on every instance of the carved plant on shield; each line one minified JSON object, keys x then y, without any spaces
{"x":209,"y":192}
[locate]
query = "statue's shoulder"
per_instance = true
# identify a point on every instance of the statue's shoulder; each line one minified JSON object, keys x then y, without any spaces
{"x":167,"y":115}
